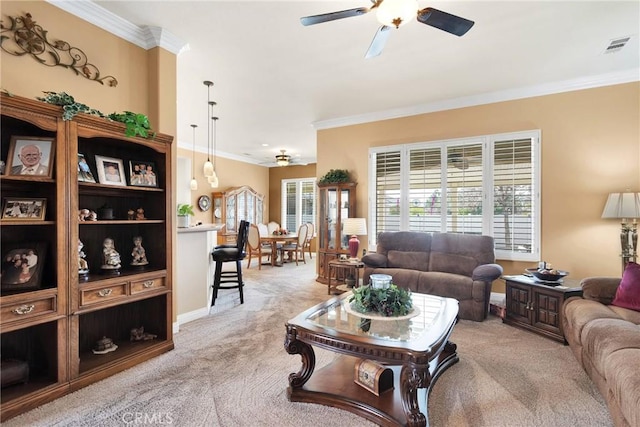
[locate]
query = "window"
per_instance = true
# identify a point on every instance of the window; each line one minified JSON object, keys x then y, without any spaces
{"x":298,"y":202}
{"x":484,"y":185}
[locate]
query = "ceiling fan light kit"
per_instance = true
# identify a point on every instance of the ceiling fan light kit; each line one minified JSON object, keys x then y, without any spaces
{"x":395,"y":13}
{"x":283,"y":159}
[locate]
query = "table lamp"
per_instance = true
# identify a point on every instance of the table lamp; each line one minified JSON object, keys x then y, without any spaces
{"x":354,"y":227}
{"x":625,"y":206}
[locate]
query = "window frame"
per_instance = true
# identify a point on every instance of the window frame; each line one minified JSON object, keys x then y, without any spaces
{"x":298,"y":202}
{"x":488,"y":144}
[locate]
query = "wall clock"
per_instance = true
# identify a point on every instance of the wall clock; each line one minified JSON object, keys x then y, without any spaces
{"x":204,"y":203}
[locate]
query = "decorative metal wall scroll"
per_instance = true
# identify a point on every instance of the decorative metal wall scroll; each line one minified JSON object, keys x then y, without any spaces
{"x":24,"y":37}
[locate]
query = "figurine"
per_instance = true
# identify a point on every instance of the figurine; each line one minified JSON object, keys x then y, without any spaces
{"x":83,"y":266}
{"x":138,"y":253}
{"x":131,"y":214}
{"x":104,"y":345}
{"x":138,"y":334}
{"x":111,"y":257}
{"x":140,"y":213}
{"x":87,"y":215}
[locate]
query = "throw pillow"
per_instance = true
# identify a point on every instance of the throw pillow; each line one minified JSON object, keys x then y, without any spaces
{"x":628,"y":292}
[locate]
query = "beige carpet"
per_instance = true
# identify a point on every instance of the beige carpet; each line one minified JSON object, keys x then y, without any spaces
{"x":230,"y":369}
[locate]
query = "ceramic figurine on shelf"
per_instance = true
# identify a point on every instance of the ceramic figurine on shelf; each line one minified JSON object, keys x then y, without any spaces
{"x":131,"y":215}
{"x":110,"y":257}
{"x":138,"y":334}
{"x":83,"y":266}
{"x":140,"y":213}
{"x":138,"y":253}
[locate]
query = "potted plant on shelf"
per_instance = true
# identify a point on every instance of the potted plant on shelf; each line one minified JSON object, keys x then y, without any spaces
{"x":185,"y":212}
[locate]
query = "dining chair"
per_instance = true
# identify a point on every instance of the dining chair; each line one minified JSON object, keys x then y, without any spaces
{"x":236,"y":254}
{"x":272,"y":226}
{"x":296,"y":248}
{"x":307,"y":243}
{"x":255,"y":249}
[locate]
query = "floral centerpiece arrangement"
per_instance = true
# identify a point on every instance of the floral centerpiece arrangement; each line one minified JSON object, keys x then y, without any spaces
{"x":280,"y":232}
{"x":388,"y":302}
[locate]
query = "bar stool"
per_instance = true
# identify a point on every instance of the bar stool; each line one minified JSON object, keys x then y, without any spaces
{"x":222,"y":254}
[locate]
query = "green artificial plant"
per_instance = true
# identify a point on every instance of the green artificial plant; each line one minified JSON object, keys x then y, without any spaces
{"x":185,"y":209}
{"x":392,"y":301}
{"x":335,"y":176}
{"x":136,"y":124}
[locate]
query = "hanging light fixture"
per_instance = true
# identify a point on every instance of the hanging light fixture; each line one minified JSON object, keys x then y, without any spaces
{"x":208,"y":166}
{"x":213,"y":179}
{"x":193,"y":184}
{"x":395,"y":13}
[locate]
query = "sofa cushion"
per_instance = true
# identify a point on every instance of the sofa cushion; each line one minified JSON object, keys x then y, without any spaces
{"x":600,"y":341}
{"x":578,"y":312}
{"x":628,"y":292}
{"x":411,"y":260}
{"x":445,"y":284}
{"x":623,"y":381}
{"x":460,"y":253}
{"x":627,"y":314}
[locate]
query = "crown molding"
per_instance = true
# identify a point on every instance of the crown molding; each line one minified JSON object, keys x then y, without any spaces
{"x":145,"y":37}
{"x":581,"y":83}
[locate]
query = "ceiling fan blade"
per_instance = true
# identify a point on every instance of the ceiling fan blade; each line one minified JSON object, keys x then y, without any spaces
{"x":444,"y":21}
{"x":332,"y":16}
{"x":378,"y":42}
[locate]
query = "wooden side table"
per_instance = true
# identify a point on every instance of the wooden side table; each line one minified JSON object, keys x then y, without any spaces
{"x":536,"y":306}
{"x":340,"y":269}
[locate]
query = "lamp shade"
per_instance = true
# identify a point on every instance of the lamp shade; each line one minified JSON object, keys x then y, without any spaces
{"x":622,"y":205}
{"x":355,"y":226}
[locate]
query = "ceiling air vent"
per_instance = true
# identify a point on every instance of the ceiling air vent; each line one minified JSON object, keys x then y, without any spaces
{"x":616,"y":45}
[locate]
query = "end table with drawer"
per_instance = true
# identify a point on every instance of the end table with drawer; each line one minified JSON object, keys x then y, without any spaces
{"x":536,"y":306}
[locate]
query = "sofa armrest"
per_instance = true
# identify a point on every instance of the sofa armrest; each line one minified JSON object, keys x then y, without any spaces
{"x":601,"y":289}
{"x":375,"y":260}
{"x":487,"y":272}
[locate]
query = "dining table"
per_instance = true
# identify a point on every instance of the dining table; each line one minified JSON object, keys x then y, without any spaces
{"x":274,"y":240}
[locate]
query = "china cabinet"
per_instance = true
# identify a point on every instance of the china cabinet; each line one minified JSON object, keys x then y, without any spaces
{"x":55,"y":328}
{"x":335,"y":203}
{"x":233,"y":205}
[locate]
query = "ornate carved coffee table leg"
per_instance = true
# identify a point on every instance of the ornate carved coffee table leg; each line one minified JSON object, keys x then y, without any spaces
{"x":293,"y":346}
{"x":413,"y":377}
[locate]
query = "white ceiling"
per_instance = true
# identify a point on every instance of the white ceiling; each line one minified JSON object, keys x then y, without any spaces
{"x":276,"y":81}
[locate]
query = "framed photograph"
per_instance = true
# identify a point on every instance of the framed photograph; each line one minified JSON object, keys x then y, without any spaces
{"x":110,"y":171}
{"x":22,"y":266}
{"x":30,"y":155}
{"x":84,"y":173}
{"x":20,"y":209}
{"x":143,"y":173}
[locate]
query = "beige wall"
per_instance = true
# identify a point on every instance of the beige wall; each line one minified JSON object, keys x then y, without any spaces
{"x":231,"y":173}
{"x":590,"y":147}
{"x":276,"y":175}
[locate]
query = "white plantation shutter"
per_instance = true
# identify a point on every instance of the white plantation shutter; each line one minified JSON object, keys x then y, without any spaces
{"x":514,"y":196}
{"x":298,"y":202}
{"x":425,"y":192}
{"x":484,"y":185}
{"x":387,"y":201}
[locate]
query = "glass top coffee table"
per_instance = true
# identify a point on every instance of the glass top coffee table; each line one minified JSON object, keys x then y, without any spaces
{"x":416,"y":347}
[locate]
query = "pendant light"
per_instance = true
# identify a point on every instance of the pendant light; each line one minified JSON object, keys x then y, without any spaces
{"x":213,"y":179}
{"x":208,"y":166}
{"x":193,"y":184}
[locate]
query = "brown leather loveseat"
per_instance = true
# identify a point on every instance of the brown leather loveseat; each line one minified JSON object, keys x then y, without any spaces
{"x":450,"y":265}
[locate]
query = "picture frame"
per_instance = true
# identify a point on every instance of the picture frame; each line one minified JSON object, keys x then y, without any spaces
{"x":110,"y":171}
{"x":84,"y":172}
{"x":30,"y":156}
{"x":23,"y":209}
{"x":143,"y":173}
{"x":22,"y":265}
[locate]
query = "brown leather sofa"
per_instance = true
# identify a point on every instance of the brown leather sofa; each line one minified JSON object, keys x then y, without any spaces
{"x":606,"y":341}
{"x":451,"y":265}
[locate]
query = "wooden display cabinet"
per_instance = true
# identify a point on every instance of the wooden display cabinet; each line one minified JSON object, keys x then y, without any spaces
{"x":233,"y":205}
{"x":55,"y":327}
{"x":336,"y":202}
{"x":536,"y":306}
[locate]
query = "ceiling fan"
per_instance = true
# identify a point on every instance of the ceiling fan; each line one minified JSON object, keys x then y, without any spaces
{"x":283,"y":159}
{"x":395,"y":13}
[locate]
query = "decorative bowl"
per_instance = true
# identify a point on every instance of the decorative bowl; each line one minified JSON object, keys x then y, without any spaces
{"x":547,"y":277}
